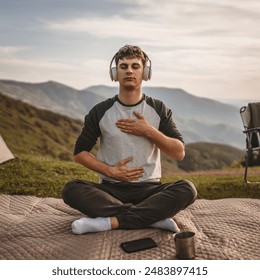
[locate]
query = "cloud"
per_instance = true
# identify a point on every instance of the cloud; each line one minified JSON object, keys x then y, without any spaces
{"x":201,"y":45}
{"x":54,"y":65}
{"x":11,"y":50}
{"x":13,"y":56}
{"x":75,"y":73}
{"x":180,"y":24}
{"x":113,"y":26}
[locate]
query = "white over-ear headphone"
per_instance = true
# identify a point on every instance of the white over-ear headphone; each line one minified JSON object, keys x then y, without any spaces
{"x":147,"y":74}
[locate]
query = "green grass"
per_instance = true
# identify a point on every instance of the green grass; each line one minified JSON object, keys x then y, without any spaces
{"x":40,"y":176}
{"x":224,"y":186}
{"x":45,"y":177}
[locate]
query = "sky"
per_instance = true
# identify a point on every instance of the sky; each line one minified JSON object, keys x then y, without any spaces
{"x":210,"y":48}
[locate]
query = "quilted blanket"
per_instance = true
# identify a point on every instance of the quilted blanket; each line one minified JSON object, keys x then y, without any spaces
{"x":40,"y":228}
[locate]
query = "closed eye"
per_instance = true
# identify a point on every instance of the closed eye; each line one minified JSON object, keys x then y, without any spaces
{"x":125,"y":66}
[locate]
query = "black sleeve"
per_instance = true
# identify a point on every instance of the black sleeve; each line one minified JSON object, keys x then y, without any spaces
{"x":168,"y":126}
{"x":89,"y":133}
{"x":91,"y":130}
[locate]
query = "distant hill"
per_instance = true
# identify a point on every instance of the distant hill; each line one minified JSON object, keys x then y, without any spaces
{"x":50,"y":95}
{"x":207,"y":156}
{"x":30,"y":130}
{"x":199,"y":119}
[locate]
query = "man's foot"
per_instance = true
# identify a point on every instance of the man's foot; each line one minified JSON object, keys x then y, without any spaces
{"x":167,"y":224}
{"x":85,"y":225}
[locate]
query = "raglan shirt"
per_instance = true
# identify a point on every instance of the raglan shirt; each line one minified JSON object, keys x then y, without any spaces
{"x":115,"y":145}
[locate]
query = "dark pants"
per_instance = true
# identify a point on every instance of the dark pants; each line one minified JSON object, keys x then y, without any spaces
{"x":135,"y":205}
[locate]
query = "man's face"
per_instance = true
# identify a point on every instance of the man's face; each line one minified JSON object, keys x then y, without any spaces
{"x":130,"y":72}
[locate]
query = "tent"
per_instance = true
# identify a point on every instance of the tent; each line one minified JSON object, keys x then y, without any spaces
{"x":5,"y":153}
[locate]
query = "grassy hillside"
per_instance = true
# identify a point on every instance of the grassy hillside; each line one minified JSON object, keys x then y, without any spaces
{"x":28,"y":130}
{"x":40,"y":176}
{"x":45,"y":177}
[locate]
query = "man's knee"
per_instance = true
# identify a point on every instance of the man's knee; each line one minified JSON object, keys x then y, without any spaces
{"x":192,"y":188}
{"x":67,"y":189}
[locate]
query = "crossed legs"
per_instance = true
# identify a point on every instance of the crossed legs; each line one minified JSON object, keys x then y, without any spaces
{"x":127,"y":205}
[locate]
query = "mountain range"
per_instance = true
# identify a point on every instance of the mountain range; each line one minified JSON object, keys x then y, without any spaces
{"x":198,"y":119}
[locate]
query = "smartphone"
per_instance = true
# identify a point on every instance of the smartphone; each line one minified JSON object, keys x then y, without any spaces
{"x":138,"y":245}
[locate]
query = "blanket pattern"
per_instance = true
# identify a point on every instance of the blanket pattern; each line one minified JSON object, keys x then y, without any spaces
{"x":34,"y":228}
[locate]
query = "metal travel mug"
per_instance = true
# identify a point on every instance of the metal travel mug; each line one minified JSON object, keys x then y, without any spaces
{"x":185,"y":245}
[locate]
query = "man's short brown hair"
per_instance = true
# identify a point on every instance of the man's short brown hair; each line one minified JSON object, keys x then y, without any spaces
{"x":130,"y":51}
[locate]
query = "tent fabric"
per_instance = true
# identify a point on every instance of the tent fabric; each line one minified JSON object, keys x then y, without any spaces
{"x":5,"y":153}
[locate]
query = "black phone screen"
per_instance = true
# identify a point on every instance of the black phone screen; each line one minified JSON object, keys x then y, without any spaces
{"x":138,"y":244}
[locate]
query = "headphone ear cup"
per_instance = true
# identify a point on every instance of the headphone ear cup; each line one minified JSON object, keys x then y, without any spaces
{"x":113,"y":74}
{"x":147,"y":73}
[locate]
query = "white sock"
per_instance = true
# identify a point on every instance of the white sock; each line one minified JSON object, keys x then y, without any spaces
{"x":85,"y":225}
{"x":168,"y":224}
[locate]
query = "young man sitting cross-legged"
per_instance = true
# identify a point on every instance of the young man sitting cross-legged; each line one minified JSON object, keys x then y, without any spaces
{"x":132,"y":128}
